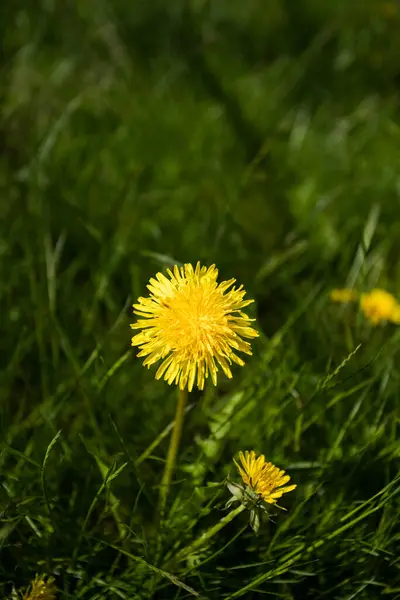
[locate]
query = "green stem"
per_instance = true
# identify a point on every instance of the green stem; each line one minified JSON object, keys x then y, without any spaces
{"x":208,"y":534}
{"x":172,"y":450}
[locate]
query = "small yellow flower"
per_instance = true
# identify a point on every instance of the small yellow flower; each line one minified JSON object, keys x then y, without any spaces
{"x":389,"y":9}
{"x":378,"y":305}
{"x":41,"y":589}
{"x":262,"y":477}
{"x":193,"y":324}
{"x":343,"y":295}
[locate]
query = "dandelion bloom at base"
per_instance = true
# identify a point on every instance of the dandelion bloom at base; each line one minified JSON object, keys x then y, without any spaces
{"x":193,"y":324}
{"x":264,"y":478}
{"x":379,"y":305}
{"x":343,"y":295}
{"x":41,"y":590}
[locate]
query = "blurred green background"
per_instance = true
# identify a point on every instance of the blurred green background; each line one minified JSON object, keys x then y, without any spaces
{"x":260,"y":136}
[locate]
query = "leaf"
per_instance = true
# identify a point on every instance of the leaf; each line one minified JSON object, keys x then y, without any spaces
{"x":231,"y":501}
{"x":254,"y":521}
{"x":235,"y":489}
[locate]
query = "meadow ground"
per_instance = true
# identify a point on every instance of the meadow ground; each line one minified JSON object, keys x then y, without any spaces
{"x":266,"y":140}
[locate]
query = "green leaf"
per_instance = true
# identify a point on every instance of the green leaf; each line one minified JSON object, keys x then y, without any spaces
{"x":235,"y":489}
{"x":254,"y":520}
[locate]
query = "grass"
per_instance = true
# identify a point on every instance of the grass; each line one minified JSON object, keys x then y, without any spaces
{"x":265,"y":140}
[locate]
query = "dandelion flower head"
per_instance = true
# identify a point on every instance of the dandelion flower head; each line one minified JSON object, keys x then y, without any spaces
{"x":41,"y":590}
{"x":343,"y":295}
{"x":389,"y":10}
{"x":263,"y":477}
{"x":193,"y":324}
{"x":379,"y":305}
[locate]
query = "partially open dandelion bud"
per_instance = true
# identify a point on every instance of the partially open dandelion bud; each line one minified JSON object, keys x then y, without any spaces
{"x":193,"y":324}
{"x":343,"y":295}
{"x":263,"y":483}
{"x":40,"y":589}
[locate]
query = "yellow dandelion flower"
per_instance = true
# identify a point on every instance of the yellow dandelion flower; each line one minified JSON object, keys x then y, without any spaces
{"x":263,"y":477}
{"x":193,"y":324}
{"x":378,"y":305}
{"x":343,"y":295}
{"x":40,"y":589}
{"x":395,"y":318}
{"x":389,"y":9}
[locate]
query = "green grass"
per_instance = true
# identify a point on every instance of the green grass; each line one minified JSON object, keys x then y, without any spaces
{"x":266,"y":140}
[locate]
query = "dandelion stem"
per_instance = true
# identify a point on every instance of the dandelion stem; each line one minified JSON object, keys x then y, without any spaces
{"x":172,"y":450}
{"x":204,"y":537}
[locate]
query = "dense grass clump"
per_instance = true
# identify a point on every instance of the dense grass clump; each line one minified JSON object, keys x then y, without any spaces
{"x":262,"y":139}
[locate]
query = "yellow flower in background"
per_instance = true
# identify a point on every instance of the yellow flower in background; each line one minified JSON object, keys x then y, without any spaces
{"x":343,"y":295}
{"x":193,"y":324}
{"x":263,"y":477}
{"x":41,"y":589}
{"x":378,"y":305}
{"x":389,"y":9}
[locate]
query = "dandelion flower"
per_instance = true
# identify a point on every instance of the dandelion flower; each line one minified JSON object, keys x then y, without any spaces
{"x":41,"y":589}
{"x":193,"y":324}
{"x":378,"y":305}
{"x":389,"y":10}
{"x":262,"y":477}
{"x":343,"y":295}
